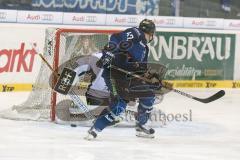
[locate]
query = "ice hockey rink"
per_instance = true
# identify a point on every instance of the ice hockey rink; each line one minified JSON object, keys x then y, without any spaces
{"x":212,"y":134}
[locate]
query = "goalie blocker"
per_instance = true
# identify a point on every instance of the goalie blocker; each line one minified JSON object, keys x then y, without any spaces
{"x":65,"y":81}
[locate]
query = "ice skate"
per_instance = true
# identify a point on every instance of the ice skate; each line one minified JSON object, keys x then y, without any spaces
{"x":144,"y":131}
{"x":91,"y":134}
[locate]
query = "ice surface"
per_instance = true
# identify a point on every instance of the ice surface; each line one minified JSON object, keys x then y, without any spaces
{"x":213,"y":134}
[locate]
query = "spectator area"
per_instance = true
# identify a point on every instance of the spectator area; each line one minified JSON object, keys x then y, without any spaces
{"x":187,"y":8}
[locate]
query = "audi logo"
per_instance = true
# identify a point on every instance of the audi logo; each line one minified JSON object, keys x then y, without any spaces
{"x":3,"y":15}
{"x":211,"y":23}
{"x":132,"y":20}
{"x":91,"y":18}
{"x":47,"y":17}
{"x":171,"y":21}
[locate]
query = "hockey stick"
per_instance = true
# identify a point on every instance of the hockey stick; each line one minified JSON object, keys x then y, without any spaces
{"x":214,"y":97}
{"x":72,"y":93}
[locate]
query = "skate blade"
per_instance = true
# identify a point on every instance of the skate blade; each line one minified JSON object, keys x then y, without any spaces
{"x":144,"y":135}
{"x":89,"y":137}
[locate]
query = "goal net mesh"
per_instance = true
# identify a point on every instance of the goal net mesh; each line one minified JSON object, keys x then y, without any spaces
{"x":68,"y":44}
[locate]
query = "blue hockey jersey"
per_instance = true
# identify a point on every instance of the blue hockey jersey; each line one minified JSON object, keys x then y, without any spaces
{"x":138,"y":52}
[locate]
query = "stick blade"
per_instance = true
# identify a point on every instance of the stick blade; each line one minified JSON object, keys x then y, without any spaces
{"x":214,"y":97}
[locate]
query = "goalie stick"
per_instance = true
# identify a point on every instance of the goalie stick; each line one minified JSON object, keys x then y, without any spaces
{"x":76,"y":99}
{"x":214,"y":97}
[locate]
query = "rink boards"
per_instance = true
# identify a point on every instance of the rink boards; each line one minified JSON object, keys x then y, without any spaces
{"x":177,"y":84}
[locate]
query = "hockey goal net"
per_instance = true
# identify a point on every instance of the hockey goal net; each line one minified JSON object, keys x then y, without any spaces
{"x":61,"y":45}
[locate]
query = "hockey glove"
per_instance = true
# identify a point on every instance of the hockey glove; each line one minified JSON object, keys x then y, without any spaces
{"x":153,"y":77}
{"x":167,"y":85}
{"x":105,"y":60}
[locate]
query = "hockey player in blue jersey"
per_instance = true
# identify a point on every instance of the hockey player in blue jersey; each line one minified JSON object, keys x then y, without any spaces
{"x":132,"y":43}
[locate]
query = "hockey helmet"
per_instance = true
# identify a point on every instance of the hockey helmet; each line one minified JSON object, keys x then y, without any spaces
{"x":147,"y":26}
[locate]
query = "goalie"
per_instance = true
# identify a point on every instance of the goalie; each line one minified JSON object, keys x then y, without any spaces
{"x":127,"y":50}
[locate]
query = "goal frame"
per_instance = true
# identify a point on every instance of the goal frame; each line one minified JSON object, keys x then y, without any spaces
{"x":56,"y":59}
